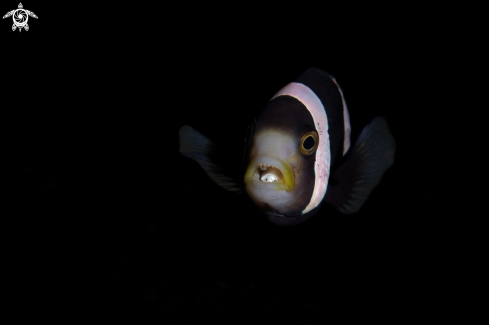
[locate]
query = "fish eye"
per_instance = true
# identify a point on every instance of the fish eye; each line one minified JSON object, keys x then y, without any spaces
{"x":309,"y":143}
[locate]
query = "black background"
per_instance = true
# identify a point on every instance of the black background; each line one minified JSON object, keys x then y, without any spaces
{"x":111,"y":218}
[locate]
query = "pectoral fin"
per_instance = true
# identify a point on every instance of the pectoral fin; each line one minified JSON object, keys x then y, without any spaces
{"x":197,"y":146}
{"x":367,"y":161}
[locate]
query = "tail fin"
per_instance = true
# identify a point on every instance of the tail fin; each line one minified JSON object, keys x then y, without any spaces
{"x":370,"y":157}
{"x":197,"y":146}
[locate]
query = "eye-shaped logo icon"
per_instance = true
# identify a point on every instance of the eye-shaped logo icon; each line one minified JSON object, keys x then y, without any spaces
{"x":20,"y":17}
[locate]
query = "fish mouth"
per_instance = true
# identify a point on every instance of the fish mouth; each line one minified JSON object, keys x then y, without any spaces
{"x":271,"y":172}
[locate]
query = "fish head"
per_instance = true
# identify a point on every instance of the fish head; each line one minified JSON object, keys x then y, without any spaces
{"x":280,"y":176}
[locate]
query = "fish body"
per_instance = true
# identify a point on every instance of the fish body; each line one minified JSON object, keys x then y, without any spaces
{"x":297,"y":153}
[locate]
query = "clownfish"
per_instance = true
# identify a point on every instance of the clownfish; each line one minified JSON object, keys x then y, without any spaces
{"x":297,"y":153}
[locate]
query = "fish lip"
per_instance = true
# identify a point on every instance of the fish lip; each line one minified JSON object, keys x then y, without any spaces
{"x":287,"y":181}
